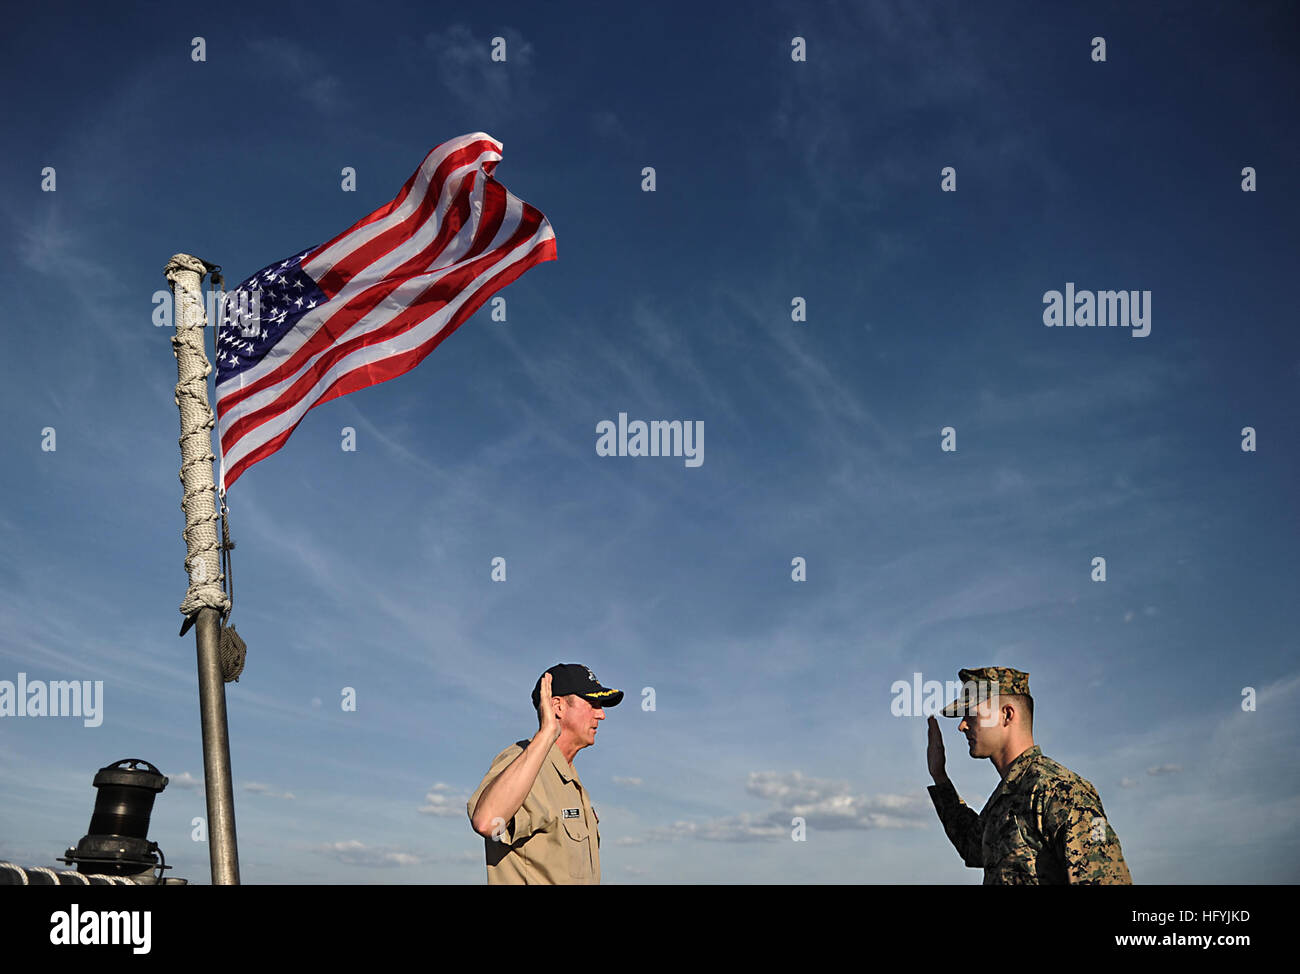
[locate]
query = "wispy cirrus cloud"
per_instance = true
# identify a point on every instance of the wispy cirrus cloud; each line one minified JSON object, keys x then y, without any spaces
{"x":305,"y":73}
{"x":463,"y":62}
{"x":1160,"y":769}
{"x":260,"y":788}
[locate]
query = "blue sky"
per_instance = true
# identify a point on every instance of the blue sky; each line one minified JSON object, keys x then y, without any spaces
{"x":775,"y":179}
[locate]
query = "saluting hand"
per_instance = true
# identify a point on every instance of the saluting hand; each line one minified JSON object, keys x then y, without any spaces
{"x":547,"y":724}
{"x":934,"y":753}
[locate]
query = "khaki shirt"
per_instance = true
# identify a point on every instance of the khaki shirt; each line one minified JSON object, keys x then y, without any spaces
{"x":554,"y":837}
{"x":1043,"y":824}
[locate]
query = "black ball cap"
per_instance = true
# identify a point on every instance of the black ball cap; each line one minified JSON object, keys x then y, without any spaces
{"x":575,"y":678}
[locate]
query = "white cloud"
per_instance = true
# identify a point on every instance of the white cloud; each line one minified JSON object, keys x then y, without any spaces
{"x":832,"y":805}
{"x":735,"y":828}
{"x":258,"y":788}
{"x":822,"y":804}
{"x":463,"y":61}
{"x":353,"y":852}
{"x":444,"y":801}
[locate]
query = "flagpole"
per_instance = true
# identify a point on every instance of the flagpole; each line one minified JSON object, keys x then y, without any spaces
{"x":205,"y":598}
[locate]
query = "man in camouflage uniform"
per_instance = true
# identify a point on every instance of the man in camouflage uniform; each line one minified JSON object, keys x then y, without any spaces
{"x":1043,"y":823}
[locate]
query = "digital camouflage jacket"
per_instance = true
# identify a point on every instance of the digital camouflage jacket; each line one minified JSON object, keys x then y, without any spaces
{"x":1042,"y":824}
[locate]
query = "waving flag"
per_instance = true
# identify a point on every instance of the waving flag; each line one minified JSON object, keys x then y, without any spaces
{"x":370,"y":304}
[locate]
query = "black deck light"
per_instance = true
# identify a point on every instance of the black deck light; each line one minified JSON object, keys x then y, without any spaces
{"x":117,"y":843}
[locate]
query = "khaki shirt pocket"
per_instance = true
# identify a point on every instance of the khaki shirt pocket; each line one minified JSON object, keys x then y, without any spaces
{"x":577,"y":845}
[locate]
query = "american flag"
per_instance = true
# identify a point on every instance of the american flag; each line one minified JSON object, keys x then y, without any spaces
{"x":370,"y":304}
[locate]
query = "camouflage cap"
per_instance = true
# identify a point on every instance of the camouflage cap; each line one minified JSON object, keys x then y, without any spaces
{"x":979,"y":685}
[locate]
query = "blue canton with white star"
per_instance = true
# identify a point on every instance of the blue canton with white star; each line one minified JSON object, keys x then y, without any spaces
{"x":251,"y":326}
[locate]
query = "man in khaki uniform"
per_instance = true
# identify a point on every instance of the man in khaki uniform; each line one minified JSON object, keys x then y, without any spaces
{"x":533,"y":812}
{"x":1043,"y":824}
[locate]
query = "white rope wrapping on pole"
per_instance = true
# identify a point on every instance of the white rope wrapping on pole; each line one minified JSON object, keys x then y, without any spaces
{"x":62,"y":877}
{"x":202,"y":558}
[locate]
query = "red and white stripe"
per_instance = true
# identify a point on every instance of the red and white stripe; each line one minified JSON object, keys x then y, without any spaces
{"x":398,"y":282}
